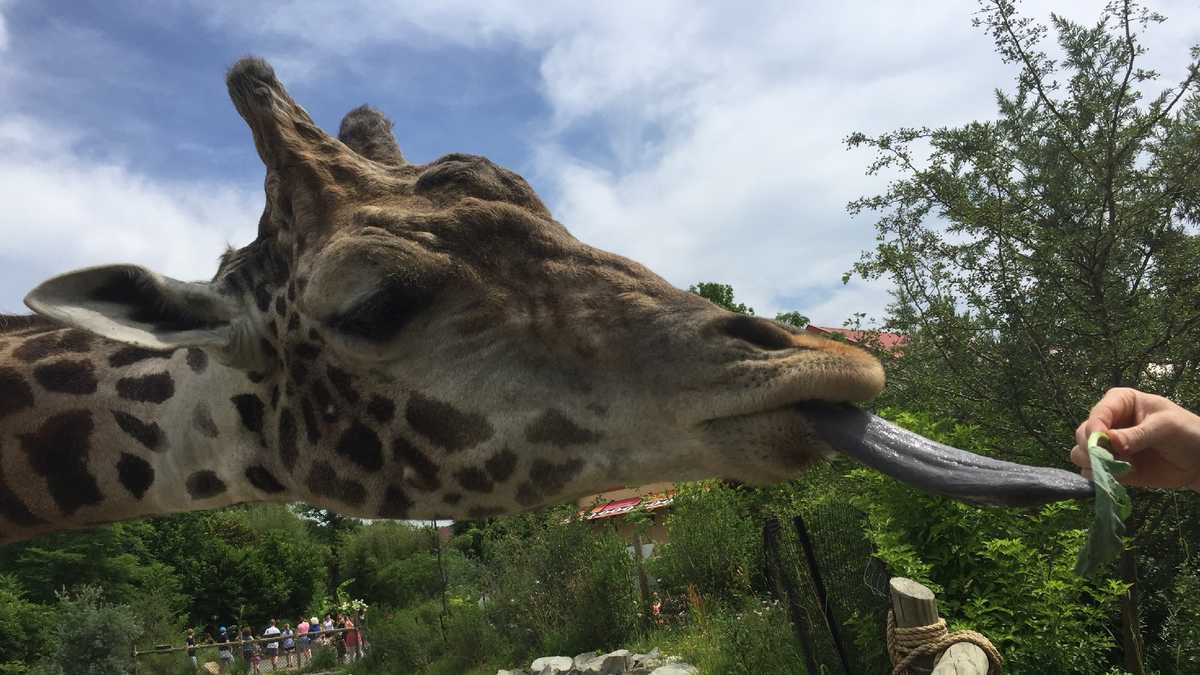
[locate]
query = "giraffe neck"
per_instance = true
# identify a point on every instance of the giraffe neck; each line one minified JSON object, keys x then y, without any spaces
{"x":94,"y":431}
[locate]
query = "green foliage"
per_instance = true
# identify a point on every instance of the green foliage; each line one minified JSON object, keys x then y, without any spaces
{"x":795,"y":319}
{"x":92,"y":636}
{"x":1005,"y":573}
{"x":24,"y":624}
{"x":720,"y":295}
{"x":1112,"y":507}
{"x":715,"y":545}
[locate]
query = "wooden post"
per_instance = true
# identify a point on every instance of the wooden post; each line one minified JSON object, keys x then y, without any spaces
{"x":962,"y":658}
{"x":915,"y":605}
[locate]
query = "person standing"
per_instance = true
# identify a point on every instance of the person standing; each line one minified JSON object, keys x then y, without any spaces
{"x":250,"y":651}
{"x":352,"y":644}
{"x":224,"y":650}
{"x":289,"y":644}
{"x":304,"y":650}
{"x":272,"y":647}
{"x":339,"y":638}
{"x":191,"y":648}
{"x":314,"y":632}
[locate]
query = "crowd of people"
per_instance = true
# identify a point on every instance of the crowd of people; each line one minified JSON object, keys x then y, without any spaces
{"x":285,"y":647}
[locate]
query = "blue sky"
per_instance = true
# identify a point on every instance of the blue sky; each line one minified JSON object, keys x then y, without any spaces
{"x":703,"y":141}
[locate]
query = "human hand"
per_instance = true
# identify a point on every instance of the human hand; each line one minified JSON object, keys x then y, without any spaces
{"x":1159,"y":438}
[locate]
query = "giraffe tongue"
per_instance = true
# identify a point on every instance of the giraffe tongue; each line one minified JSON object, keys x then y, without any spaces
{"x":937,"y":468}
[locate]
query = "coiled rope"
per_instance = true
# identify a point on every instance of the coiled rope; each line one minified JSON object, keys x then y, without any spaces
{"x":905,"y":645}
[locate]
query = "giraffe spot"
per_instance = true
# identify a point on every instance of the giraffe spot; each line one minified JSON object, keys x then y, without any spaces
{"x":58,"y":451}
{"x":203,"y":422}
{"x":420,"y":472}
{"x":311,"y":431}
{"x":473,"y":479}
{"x":127,"y":356}
{"x":323,"y":481}
{"x":280,"y":305}
{"x":551,"y":477}
{"x":315,"y":336}
{"x":268,"y":350}
{"x":324,"y":401}
{"x":395,"y":503}
{"x":288,"y":452}
{"x":306,"y":351}
{"x":452,"y":498}
{"x":67,"y":377}
{"x":501,"y":465}
{"x":382,"y":409}
{"x":255,"y":376}
{"x":362,"y":446}
{"x":293,"y":322}
{"x":262,"y":297}
{"x":274,"y":396}
{"x":36,"y":348}
{"x":153,"y":388}
{"x":148,"y":434}
{"x":297,"y":370}
{"x":528,"y":495}
{"x":204,"y":484}
{"x":445,"y":425}
{"x":556,"y":428}
{"x":197,"y":359}
{"x":291,"y":291}
{"x":480,"y":512}
{"x":15,"y":392}
{"x":250,"y":410}
{"x":135,"y":474}
{"x":12,"y":508}
{"x":262,"y":479}
{"x":344,"y":384}
{"x":75,"y":340}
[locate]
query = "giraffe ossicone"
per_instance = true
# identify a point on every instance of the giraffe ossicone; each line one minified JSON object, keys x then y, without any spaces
{"x":405,"y":341}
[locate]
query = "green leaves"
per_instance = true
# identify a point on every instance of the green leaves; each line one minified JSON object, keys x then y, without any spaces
{"x":1112,"y":508}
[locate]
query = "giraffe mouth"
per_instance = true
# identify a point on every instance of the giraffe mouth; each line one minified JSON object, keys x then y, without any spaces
{"x":937,"y":468}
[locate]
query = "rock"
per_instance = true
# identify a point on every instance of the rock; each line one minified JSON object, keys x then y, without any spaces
{"x":676,"y":669}
{"x":612,"y":663}
{"x":584,"y":658}
{"x":654,"y":656}
{"x":552,"y":665}
{"x":510,"y":672}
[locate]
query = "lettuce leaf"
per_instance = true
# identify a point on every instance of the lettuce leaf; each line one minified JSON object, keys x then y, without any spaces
{"x":1112,"y":507}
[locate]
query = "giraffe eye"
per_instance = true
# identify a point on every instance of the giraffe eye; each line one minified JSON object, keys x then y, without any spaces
{"x":384,"y":313}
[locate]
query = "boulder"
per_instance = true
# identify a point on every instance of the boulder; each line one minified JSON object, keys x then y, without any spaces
{"x":510,"y":672}
{"x":585,"y":658}
{"x":676,"y":669}
{"x":552,"y":665}
{"x":612,"y":663}
{"x":652,"y":658}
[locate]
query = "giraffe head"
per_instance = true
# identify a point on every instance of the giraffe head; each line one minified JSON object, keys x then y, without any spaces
{"x":427,"y":340}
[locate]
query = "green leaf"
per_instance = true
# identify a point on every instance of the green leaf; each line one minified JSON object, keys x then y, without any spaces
{"x":1112,"y":508}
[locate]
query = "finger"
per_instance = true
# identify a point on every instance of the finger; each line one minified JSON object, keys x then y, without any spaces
{"x":1153,"y":471}
{"x":1115,"y":409}
{"x":1080,"y":457}
{"x":1137,"y":438}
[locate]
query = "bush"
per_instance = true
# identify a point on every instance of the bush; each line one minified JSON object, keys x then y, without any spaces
{"x":1008,"y":574}
{"x":91,"y":636}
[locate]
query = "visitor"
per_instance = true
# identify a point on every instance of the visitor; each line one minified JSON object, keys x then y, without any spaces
{"x":1159,"y":438}
{"x":289,"y":645}
{"x":327,"y":627}
{"x":352,"y":645}
{"x":272,"y":647}
{"x":250,"y":650}
{"x":305,"y":648}
{"x":339,"y":638}
{"x":314,"y":632}
{"x":224,"y":650}
{"x":191,"y":648}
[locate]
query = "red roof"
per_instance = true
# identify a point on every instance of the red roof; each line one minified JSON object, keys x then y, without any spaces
{"x":888,"y":341}
{"x":616,"y":508}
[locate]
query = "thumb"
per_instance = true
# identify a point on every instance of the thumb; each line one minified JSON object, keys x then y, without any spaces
{"x":1137,"y":438}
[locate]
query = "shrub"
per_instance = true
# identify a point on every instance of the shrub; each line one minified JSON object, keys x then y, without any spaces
{"x":91,"y":636}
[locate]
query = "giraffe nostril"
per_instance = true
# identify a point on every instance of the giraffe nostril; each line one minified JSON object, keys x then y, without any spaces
{"x":758,"y":332}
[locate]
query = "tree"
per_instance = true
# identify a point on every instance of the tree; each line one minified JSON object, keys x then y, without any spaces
{"x":720,"y":295}
{"x":1040,"y":258}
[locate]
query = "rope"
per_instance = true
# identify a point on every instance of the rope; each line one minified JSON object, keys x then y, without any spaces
{"x":905,"y":645}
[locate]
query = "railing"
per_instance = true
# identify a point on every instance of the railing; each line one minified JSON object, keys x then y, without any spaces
{"x":236,"y":645}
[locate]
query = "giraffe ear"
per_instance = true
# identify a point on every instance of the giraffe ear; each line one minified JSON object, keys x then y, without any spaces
{"x":133,"y":305}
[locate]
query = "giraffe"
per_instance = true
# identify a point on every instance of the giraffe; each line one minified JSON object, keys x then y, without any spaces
{"x":416,"y":341}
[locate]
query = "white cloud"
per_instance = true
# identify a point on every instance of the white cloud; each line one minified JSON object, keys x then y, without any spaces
{"x":725,"y":120}
{"x":64,"y":210}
